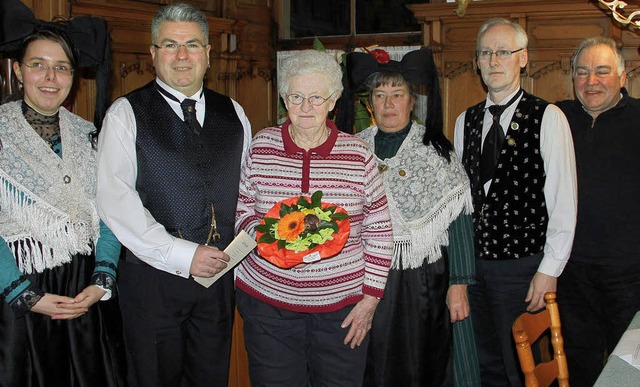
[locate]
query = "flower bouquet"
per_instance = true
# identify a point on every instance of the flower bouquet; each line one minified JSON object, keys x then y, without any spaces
{"x":302,"y":230}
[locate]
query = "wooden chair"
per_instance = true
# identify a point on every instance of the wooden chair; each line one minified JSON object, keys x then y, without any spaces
{"x":527,"y":330}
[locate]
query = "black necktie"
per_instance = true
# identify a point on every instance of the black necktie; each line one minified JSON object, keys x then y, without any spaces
{"x":189,"y":110}
{"x":493,"y":142}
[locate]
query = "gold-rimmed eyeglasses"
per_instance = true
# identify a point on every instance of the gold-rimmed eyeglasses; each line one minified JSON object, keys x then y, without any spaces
{"x":40,"y":68}
{"x":500,"y":54}
{"x":314,"y":100}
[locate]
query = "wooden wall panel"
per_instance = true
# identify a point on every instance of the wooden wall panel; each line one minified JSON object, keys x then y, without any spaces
{"x":464,"y":78}
{"x":48,"y":9}
{"x":133,"y":71}
{"x":259,"y":104}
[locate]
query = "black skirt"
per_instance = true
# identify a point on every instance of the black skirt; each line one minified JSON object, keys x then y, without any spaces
{"x":410,"y":343}
{"x":36,"y":351}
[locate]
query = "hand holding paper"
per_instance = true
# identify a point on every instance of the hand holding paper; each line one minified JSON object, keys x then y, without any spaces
{"x":237,"y":250}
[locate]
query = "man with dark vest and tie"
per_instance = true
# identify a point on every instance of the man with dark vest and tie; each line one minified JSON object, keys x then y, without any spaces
{"x":518,"y":153}
{"x":169,"y":162}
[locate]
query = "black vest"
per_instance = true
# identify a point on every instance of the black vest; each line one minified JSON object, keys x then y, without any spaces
{"x":181,"y":174}
{"x":511,"y":221}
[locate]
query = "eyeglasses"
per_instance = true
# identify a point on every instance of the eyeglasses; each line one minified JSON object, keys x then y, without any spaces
{"x":41,"y":68}
{"x":500,"y":54}
{"x":314,"y":100}
{"x":192,"y":47}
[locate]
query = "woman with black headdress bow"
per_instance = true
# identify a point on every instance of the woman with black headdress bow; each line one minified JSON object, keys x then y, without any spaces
{"x":430,"y":202}
{"x":57,"y":259}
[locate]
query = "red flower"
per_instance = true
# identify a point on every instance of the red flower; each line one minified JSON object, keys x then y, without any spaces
{"x":381,"y":55}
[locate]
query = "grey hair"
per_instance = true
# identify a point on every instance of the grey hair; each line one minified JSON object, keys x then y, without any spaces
{"x":179,"y":12}
{"x":521,"y":35}
{"x":308,"y":62}
{"x":598,"y":40}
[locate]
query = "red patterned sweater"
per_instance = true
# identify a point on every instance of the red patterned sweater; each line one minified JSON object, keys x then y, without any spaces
{"x":344,"y":169}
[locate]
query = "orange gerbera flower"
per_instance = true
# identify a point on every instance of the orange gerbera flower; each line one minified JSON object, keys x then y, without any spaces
{"x":291,"y":225}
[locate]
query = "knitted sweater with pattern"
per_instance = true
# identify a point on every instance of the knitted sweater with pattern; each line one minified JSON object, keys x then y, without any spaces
{"x":344,"y":169}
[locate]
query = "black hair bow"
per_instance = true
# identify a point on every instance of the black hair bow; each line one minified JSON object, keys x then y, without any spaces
{"x":89,"y":35}
{"x":416,"y":67}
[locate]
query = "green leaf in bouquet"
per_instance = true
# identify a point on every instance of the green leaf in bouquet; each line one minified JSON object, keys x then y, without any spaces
{"x":268,"y":224}
{"x":303,"y":202}
{"x":263,"y":228}
{"x":266,"y":238}
{"x":271,"y":221}
{"x":285,"y":209}
{"x":299,"y":244}
{"x":340,"y":216}
{"x":328,"y":225}
{"x":322,"y":214}
{"x":281,"y":244}
{"x":327,"y":233}
{"x":316,"y":199}
{"x":316,"y":239}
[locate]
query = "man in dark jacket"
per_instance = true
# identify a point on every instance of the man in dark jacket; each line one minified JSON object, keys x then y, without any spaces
{"x":599,"y":290}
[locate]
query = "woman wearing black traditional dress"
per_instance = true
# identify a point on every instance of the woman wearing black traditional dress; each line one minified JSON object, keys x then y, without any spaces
{"x":57,"y":259}
{"x":423,"y":320}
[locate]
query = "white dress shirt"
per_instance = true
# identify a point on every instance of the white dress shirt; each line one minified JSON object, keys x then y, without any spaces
{"x":560,"y":188}
{"x":119,"y":204}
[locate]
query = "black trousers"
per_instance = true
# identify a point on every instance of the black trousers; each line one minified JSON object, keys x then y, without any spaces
{"x":597,"y":303}
{"x":496,"y":301}
{"x":177,"y":332}
{"x":292,"y":349}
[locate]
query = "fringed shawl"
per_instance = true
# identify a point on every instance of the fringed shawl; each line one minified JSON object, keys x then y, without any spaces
{"x":47,"y":203}
{"x":425,"y":193}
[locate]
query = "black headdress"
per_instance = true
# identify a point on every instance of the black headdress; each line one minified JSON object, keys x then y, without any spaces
{"x":88,"y":34}
{"x":418,"y":68}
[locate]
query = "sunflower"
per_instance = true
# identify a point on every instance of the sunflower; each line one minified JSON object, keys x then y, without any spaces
{"x":291,"y":225}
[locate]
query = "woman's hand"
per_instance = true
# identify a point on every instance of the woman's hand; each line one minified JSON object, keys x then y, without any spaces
{"x":81,"y":303}
{"x":57,"y":307}
{"x":457,"y":302}
{"x":89,"y":296}
{"x":359,"y":320}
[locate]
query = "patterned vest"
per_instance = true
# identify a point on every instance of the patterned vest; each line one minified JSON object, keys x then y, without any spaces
{"x":181,"y":174}
{"x":511,"y":220}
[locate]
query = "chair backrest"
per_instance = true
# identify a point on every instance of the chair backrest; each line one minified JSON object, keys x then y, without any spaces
{"x":526,"y":330}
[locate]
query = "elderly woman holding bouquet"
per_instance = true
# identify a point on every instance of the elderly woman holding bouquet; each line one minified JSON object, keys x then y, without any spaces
{"x":308,"y":293}
{"x":430,"y":201}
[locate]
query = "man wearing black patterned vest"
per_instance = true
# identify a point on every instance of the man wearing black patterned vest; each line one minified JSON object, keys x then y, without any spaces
{"x":169,"y":164}
{"x":518,"y":152}
{"x":599,"y":290}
